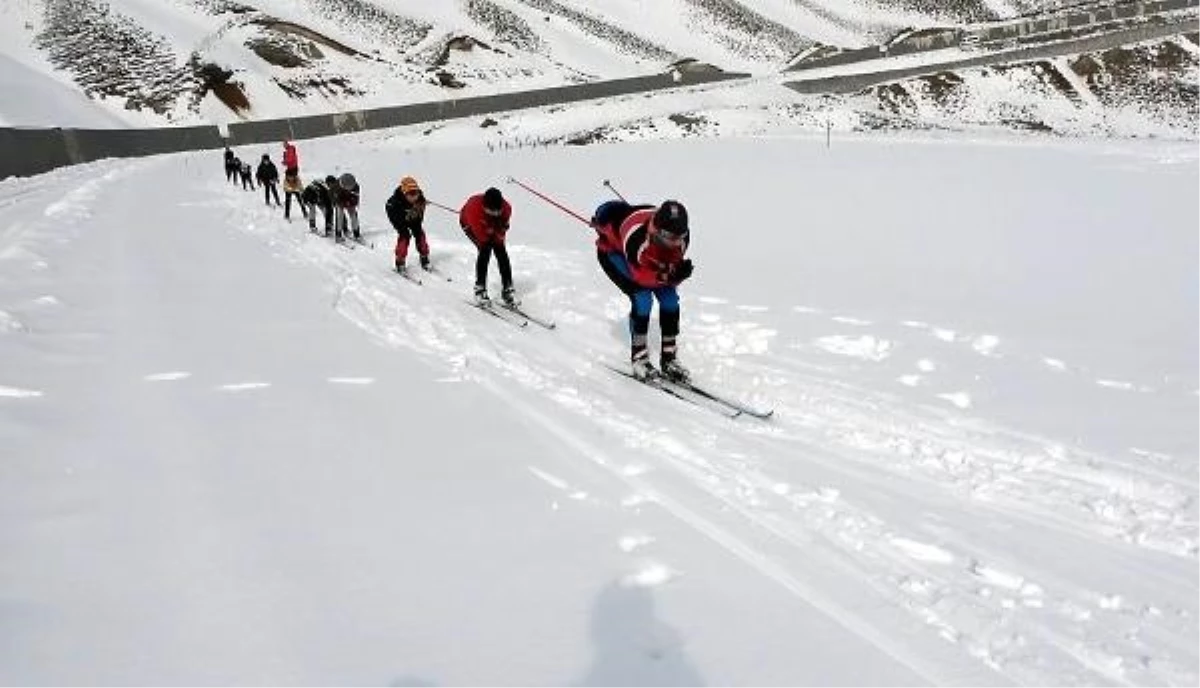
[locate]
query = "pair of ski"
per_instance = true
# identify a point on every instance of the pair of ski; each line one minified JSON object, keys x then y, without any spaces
{"x":348,"y":243}
{"x":691,"y":393}
{"x":408,"y":274}
{"x":513,"y":315}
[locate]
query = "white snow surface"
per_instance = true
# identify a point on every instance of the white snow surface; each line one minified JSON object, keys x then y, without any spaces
{"x":233,"y":452}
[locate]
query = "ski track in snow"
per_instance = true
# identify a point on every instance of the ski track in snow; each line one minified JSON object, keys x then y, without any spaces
{"x":958,"y":588}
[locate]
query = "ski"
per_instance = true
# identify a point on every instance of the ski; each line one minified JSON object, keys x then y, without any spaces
{"x":408,"y":276}
{"x":667,"y":387}
{"x":434,"y":271}
{"x":548,"y":324}
{"x":726,"y":402}
{"x":491,"y":310}
{"x":363,"y":242}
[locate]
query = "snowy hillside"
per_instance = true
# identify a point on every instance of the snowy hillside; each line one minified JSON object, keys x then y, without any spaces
{"x":233,"y":452}
{"x":154,"y":62}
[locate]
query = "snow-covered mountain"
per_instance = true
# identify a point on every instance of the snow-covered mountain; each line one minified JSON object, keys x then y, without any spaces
{"x":232,"y":452}
{"x":151,"y":62}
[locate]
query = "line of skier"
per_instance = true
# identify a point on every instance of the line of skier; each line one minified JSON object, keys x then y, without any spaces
{"x":641,"y":248}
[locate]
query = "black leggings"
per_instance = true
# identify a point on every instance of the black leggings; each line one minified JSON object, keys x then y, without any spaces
{"x":287,"y":203}
{"x":270,"y":189}
{"x":485,"y":256}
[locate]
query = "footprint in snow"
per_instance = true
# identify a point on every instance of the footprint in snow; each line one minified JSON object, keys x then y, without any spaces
{"x":9,"y":323}
{"x":650,"y":575}
{"x":1118,"y":384}
{"x":960,"y":399}
{"x":865,"y":347}
{"x":944,"y":334}
{"x":18,"y":393}
{"x":1054,"y":364}
{"x":986,"y":345}
{"x":243,"y":386}
{"x":630,"y":543}
{"x":167,"y":377}
{"x":922,"y":551}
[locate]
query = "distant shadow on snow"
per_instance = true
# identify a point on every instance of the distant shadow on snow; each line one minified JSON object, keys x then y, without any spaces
{"x":632,"y":647}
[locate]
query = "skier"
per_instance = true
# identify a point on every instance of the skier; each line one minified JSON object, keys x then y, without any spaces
{"x":292,"y":186}
{"x":231,"y":166}
{"x":641,"y":248}
{"x":291,"y":160}
{"x":268,"y":177}
{"x":406,"y":211}
{"x":315,"y":195}
{"x":344,"y":194}
{"x":244,"y":173}
{"x":485,"y":219}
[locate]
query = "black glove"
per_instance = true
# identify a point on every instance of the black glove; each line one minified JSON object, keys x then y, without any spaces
{"x":682,"y":271}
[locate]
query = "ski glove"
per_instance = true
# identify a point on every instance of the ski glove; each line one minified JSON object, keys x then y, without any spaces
{"x":682,"y":271}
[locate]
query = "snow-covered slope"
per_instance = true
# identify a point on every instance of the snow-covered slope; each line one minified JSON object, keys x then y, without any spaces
{"x":235,"y":453}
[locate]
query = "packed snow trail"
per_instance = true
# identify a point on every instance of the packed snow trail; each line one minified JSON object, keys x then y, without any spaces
{"x":339,"y":506}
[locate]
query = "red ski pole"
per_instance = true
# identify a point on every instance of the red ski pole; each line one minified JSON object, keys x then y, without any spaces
{"x":443,"y":207}
{"x":551,"y":201}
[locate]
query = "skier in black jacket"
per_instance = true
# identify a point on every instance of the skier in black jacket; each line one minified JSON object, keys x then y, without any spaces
{"x":316,"y":195}
{"x":406,"y":212}
{"x":268,"y":176}
{"x":231,"y":167}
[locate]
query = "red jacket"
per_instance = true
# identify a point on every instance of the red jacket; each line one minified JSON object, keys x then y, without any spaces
{"x":651,"y":264}
{"x":479,"y":225}
{"x":290,"y":157}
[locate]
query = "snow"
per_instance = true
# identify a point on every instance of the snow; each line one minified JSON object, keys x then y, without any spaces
{"x":235,"y":453}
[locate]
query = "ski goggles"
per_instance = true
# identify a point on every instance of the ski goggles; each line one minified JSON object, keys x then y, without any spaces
{"x":668,"y":240}
{"x":493,"y":212}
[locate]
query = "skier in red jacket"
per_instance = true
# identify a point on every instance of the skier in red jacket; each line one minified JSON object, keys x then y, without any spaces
{"x":485,"y":219}
{"x":291,"y":160}
{"x":641,"y":248}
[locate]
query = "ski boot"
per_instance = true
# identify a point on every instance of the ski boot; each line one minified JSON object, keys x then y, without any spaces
{"x":426,"y":264}
{"x":481,"y":296}
{"x":674,"y":371}
{"x":401,"y":267}
{"x":508,"y":296}
{"x":639,"y":357}
{"x":643,"y":369}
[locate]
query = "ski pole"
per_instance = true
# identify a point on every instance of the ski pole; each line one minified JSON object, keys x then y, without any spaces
{"x":551,"y":201}
{"x":443,"y":207}
{"x":614,"y":190}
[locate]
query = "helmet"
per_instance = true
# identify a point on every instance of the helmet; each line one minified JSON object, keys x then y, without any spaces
{"x":671,"y":218}
{"x":330,"y":180}
{"x":409,"y":184}
{"x":493,"y":200}
{"x":266,"y":157}
{"x":348,"y":182}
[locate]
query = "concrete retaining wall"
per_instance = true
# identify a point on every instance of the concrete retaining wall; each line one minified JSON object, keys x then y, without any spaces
{"x":25,"y":152}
